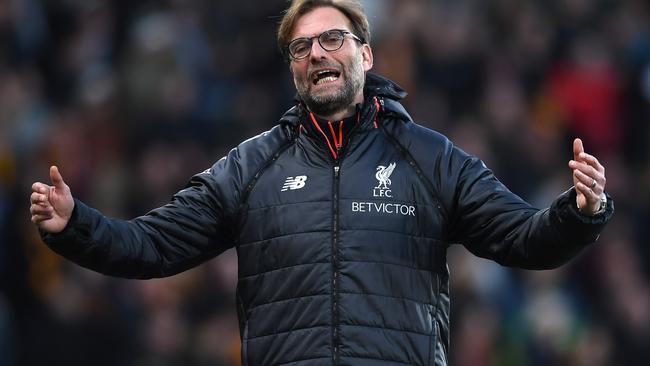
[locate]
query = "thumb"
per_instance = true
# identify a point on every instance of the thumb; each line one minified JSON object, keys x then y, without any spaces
{"x":56,"y":178}
{"x":577,"y":149}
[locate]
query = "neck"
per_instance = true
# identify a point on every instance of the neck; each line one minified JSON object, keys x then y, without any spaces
{"x":337,"y":116}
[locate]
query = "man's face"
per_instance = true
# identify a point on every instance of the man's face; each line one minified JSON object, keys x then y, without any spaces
{"x":343,"y":88}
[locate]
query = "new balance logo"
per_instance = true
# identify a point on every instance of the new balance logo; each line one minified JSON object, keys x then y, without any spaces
{"x":294,"y":183}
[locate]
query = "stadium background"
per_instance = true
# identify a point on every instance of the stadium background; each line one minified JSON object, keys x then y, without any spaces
{"x":132,"y":98}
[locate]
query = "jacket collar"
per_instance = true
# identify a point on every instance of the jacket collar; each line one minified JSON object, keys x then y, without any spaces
{"x":380,"y":86}
{"x":381,"y":97}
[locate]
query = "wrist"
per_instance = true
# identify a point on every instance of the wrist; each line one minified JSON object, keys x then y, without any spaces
{"x":602,"y":206}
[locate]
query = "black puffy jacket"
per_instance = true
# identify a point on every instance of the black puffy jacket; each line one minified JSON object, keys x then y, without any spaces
{"x":341,"y":261}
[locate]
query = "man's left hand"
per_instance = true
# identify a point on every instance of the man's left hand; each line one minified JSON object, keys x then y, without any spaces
{"x":588,"y":179}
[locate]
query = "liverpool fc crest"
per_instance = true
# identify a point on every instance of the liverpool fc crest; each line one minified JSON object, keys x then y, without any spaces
{"x":383,"y":176}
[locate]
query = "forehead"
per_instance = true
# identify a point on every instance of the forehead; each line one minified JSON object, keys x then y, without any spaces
{"x":319,"y":20}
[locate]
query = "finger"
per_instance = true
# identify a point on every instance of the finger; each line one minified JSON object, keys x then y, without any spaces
{"x":587,"y":175}
{"x":588,"y":181}
{"x":38,"y":198}
{"x":591,"y":160}
{"x":44,"y":204}
{"x":40,"y":187}
{"x":577,"y":148}
{"x":40,"y":218}
{"x":56,"y":178}
{"x":40,"y":210}
{"x":585,"y":168}
{"x":589,"y":194}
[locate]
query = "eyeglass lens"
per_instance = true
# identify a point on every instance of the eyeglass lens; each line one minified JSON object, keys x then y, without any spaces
{"x":330,"y":40}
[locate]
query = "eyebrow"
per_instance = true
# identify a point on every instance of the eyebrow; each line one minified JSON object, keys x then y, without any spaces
{"x":321,"y":32}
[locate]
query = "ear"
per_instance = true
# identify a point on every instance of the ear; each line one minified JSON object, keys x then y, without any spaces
{"x":366,"y":53}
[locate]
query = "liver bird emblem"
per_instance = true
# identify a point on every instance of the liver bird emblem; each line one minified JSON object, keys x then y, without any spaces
{"x":383,"y":175}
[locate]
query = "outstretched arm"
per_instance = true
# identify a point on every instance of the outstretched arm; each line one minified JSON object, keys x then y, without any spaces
{"x":189,"y":230}
{"x":494,"y":223}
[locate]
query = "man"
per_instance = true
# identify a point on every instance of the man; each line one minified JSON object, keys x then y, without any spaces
{"x":341,"y":214}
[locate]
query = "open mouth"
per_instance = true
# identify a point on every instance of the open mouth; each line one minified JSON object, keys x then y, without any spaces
{"x":325,"y":76}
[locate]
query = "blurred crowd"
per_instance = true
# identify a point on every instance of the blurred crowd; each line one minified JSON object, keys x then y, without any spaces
{"x":130,"y":99}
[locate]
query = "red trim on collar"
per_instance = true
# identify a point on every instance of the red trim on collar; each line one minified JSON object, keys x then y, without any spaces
{"x":378,"y":109}
{"x":329,"y":144}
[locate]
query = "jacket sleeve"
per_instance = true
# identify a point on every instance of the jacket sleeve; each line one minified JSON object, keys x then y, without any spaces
{"x":192,"y":228}
{"x":494,"y":223}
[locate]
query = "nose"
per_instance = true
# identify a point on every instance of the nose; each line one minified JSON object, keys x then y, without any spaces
{"x":317,"y":52}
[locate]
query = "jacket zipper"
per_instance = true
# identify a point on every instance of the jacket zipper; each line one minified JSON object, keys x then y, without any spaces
{"x":335,"y":259}
{"x":340,"y":153}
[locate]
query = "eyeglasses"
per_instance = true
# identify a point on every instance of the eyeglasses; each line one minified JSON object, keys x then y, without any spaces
{"x":330,"y":40}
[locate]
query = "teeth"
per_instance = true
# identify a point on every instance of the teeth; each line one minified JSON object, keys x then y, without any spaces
{"x":322,"y":72}
{"x":326,"y":80}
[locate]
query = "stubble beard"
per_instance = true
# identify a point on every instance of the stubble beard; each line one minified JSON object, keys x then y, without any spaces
{"x":339,"y":100}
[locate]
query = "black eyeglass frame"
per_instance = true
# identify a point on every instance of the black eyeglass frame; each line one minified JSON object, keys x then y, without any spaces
{"x":342,"y":32}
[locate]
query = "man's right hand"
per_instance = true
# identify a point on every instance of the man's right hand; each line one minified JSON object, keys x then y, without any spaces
{"x":51,"y":206}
